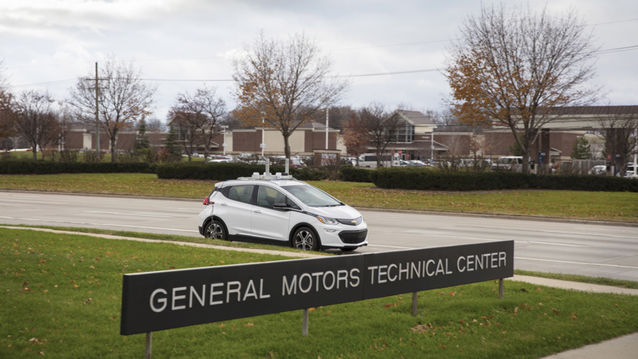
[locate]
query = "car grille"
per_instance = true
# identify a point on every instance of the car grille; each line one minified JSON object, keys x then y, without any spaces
{"x":353,"y":237}
{"x":351,"y":222}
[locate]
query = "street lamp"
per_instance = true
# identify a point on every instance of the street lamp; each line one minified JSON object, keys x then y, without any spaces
{"x":263,"y":143}
{"x":224,"y":127}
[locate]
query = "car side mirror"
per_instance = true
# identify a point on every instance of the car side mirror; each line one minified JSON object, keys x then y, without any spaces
{"x":281,"y":206}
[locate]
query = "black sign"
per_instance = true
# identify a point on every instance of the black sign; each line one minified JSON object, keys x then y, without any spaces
{"x":170,"y":299}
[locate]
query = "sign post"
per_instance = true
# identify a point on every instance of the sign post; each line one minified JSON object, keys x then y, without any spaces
{"x":304,"y":328}
{"x":149,"y":345}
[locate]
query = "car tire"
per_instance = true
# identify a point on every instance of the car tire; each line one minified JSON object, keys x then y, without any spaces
{"x":304,"y":238}
{"x":215,"y":229}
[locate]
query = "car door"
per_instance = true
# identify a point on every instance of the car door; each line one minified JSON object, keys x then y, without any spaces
{"x":268,"y":222}
{"x":236,"y":211}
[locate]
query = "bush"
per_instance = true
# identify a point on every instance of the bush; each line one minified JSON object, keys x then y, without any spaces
{"x":50,"y":167}
{"x":207,"y":171}
{"x":432,"y":179}
{"x":309,"y":173}
{"x":353,"y":174}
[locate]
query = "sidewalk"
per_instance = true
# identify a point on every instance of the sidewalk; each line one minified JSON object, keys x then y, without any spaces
{"x":625,"y":347}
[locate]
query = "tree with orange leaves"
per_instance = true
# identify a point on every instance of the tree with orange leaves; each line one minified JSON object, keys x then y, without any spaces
{"x":513,"y":69}
{"x":283,"y":84}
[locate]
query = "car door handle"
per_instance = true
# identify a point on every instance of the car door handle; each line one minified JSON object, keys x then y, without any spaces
{"x":223,"y":205}
{"x":257,"y":211}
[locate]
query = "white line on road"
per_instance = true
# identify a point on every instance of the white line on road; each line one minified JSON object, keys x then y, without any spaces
{"x":577,"y":263}
{"x":556,"y":244}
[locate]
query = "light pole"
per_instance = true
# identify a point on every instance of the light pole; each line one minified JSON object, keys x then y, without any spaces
{"x":432,"y":146}
{"x":224,"y":127}
{"x":263,"y":145}
{"x":327,"y":123}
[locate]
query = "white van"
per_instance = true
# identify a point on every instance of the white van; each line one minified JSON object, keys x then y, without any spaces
{"x":508,"y":163}
{"x":369,"y":160}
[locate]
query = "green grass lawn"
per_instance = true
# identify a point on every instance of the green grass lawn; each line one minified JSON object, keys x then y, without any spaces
{"x":61,"y":297}
{"x":611,"y":206}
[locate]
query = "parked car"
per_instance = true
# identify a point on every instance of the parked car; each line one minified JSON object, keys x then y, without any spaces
{"x":630,"y":171}
{"x":281,"y":209}
{"x":220,"y":159}
{"x":598,"y":170}
{"x":416,"y":163}
{"x":508,"y":163}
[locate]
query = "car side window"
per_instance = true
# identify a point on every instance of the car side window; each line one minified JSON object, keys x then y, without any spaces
{"x":242,"y":193}
{"x":267,"y":197}
{"x":291,"y":203}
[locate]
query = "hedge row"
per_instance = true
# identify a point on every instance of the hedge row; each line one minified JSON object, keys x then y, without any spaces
{"x":396,"y":177}
{"x":427,"y":179}
{"x":201,"y":171}
{"x":50,"y":167}
{"x":225,"y":171}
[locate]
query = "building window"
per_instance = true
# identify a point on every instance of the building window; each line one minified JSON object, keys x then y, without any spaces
{"x":404,"y":133}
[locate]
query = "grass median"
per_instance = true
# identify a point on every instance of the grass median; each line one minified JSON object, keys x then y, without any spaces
{"x":606,"y":206}
{"x":62,"y":295}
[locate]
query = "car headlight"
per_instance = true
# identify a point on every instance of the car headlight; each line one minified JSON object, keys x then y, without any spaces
{"x":326,"y":220}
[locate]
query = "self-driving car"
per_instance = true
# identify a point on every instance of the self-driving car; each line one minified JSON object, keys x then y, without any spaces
{"x":282,"y":209}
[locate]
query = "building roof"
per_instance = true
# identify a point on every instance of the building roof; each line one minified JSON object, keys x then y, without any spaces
{"x":454,"y":128}
{"x":595,"y":110}
{"x":415,"y":117}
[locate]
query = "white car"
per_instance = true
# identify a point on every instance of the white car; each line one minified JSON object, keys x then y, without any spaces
{"x":282,"y":209}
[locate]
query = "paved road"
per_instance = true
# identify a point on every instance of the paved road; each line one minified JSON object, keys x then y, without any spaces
{"x":586,"y":249}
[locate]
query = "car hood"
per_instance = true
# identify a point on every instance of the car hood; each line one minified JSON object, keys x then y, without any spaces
{"x":344,"y":212}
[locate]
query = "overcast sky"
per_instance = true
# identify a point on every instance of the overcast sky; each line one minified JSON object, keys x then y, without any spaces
{"x":48,"y":44}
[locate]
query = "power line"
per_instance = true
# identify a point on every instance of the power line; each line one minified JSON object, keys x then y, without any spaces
{"x":372,"y":74}
{"x":617,"y":49}
{"x":389,"y":73}
{"x":186,"y":80}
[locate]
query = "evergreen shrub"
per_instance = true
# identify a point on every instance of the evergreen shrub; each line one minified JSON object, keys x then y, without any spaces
{"x":436,"y":180}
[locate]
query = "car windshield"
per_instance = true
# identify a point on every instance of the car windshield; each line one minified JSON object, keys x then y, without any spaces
{"x":312,"y":196}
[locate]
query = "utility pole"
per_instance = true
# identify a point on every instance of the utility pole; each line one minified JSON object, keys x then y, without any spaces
{"x":432,"y":147}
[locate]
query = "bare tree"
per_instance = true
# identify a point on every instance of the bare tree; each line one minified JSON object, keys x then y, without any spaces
{"x":511,"y":69}
{"x":381,"y":128}
{"x":36,"y":120}
{"x":156,"y":125}
{"x":338,"y":116}
{"x":285,"y":83}
{"x":182,"y":124}
{"x":202,"y":113}
{"x":619,"y":132}
{"x":6,"y":111}
{"x":123,"y":99}
{"x":355,"y":136}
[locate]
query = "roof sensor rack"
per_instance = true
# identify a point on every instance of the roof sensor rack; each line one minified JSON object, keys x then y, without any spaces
{"x":268,"y":176}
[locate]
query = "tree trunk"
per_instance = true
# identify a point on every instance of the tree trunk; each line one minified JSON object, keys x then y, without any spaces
{"x":113,"y":141}
{"x":525,"y":169}
{"x":287,"y":146}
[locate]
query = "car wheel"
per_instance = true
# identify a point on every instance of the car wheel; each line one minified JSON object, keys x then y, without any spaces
{"x":304,"y":238}
{"x":215,"y":229}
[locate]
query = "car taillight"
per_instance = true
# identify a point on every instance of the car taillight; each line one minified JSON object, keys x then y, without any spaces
{"x":207,"y":201}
